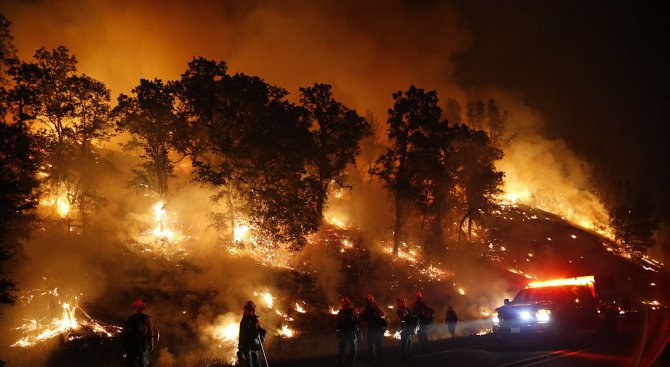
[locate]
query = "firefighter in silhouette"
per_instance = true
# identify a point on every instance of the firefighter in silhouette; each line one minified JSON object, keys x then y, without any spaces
{"x":138,"y":336}
{"x":374,"y":318}
{"x":408,"y":326}
{"x":250,"y":338}
{"x":451,"y":320}
{"x":425,"y":315}
{"x":347,"y":333}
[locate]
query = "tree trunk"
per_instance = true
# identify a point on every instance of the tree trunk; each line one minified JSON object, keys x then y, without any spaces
{"x":397,"y":227}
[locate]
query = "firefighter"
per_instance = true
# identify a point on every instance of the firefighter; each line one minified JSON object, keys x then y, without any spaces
{"x":374,"y":318}
{"x":408,"y":325}
{"x":250,"y":338}
{"x":138,"y":336}
{"x":347,"y":333}
{"x":425,"y":315}
{"x":451,"y":320}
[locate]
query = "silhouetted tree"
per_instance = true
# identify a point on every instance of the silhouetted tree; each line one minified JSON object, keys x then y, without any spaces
{"x":336,"y":132}
{"x":453,"y":112}
{"x":412,"y":111}
{"x":18,"y":197}
{"x":150,"y":119}
{"x":495,"y":121}
{"x":477,"y":182}
{"x":244,"y":137}
{"x":476,"y":114}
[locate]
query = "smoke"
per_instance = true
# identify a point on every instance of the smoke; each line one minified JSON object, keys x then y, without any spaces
{"x":366,"y":50}
{"x":545,"y":172}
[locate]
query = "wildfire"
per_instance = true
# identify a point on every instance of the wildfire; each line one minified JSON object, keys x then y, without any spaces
{"x":333,"y":311}
{"x":299,"y":308}
{"x":334,"y":220}
{"x":60,"y":202}
{"x":227,"y":332}
{"x":160,"y":218}
{"x":269,"y":300}
{"x":241,"y":232}
{"x":65,"y":323}
{"x":286,"y":332}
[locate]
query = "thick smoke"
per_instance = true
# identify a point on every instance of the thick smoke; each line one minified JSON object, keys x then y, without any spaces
{"x":366,"y":50}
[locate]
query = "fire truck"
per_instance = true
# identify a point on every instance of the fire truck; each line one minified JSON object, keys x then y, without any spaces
{"x":553,"y":307}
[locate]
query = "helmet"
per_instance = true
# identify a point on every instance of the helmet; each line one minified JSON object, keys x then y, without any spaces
{"x":139,"y":305}
{"x":370,"y":298}
{"x":249,"y":306}
{"x":345,"y":301}
{"x":418,"y":295}
{"x":401,"y":301}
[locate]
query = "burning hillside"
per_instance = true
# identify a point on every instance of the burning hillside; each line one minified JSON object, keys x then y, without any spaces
{"x":204,"y":186}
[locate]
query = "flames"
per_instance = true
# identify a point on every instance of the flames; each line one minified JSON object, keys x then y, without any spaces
{"x":65,"y":323}
{"x":60,"y":202}
{"x":241,"y":232}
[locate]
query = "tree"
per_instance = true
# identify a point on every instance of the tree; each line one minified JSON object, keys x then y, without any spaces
{"x":413,"y":111}
{"x":495,"y":121}
{"x":476,"y":114}
{"x":337,"y":132}
{"x":453,"y":111}
{"x":244,"y":138}
{"x":91,"y":122}
{"x":18,"y":197}
{"x":477,"y":182}
{"x":151,"y":120}
{"x":7,"y":49}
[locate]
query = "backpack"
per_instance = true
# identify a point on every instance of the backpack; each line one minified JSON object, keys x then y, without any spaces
{"x":136,"y":331}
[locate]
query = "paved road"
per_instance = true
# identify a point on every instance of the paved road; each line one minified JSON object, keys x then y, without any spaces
{"x":637,"y":343}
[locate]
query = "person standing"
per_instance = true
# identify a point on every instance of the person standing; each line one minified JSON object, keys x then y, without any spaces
{"x":408,"y":324}
{"x":251,"y":336}
{"x":138,"y":336}
{"x":425,"y":315}
{"x":374,"y":318}
{"x":451,"y":320}
{"x":347,"y":333}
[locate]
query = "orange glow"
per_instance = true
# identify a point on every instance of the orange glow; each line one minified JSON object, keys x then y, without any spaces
{"x":586,"y":280}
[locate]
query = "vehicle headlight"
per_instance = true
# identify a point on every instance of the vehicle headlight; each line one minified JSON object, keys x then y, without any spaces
{"x":525,"y":315}
{"x":543,"y":315}
{"x":495,"y":319}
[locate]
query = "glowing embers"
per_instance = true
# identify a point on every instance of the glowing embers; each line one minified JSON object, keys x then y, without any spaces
{"x":58,"y":318}
{"x":586,"y":281}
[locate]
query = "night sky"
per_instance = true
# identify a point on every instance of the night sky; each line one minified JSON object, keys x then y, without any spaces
{"x":597,"y":71}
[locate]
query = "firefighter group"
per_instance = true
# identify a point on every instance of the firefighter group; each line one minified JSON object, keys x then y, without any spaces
{"x":415,"y":320}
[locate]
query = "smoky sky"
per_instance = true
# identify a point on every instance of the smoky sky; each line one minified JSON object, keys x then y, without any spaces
{"x":596,"y":70}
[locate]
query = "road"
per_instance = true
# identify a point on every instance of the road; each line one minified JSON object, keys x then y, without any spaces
{"x":637,"y":343}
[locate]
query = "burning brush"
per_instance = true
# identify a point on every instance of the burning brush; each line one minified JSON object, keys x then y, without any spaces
{"x":64,"y":322}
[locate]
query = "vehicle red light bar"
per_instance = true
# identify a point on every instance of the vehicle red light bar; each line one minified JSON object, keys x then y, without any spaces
{"x":586,"y":280}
